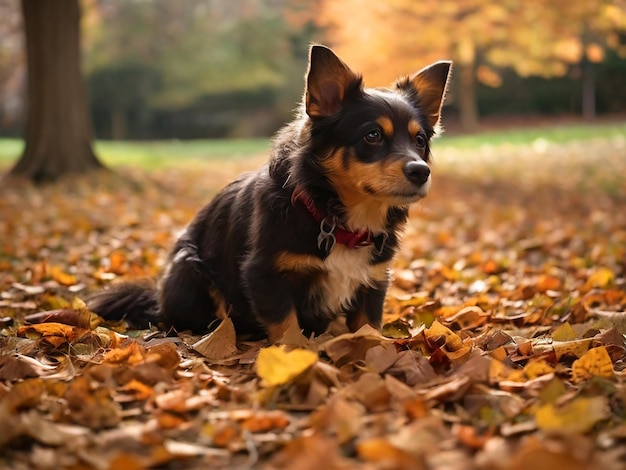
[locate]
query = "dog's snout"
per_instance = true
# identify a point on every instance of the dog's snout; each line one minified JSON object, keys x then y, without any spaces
{"x":417,"y":172}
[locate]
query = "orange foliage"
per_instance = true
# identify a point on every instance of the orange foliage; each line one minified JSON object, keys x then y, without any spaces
{"x":534,"y":37}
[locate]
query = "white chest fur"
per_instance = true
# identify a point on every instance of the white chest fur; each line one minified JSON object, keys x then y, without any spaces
{"x":346,"y":270}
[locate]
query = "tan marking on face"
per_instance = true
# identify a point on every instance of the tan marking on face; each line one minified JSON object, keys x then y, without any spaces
{"x":386,"y":125}
{"x":287,"y":261}
{"x":276,"y":331}
{"x":369,"y":189}
{"x":414,"y":127}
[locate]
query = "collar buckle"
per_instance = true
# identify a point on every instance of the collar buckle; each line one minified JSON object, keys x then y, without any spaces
{"x":326,"y":239}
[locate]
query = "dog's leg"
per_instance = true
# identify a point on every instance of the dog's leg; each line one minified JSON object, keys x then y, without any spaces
{"x":276,"y":331}
{"x":367,"y":308}
{"x":271,"y":297}
{"x":186,"y":292}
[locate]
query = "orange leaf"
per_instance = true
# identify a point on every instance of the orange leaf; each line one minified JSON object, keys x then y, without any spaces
{"x":379,"y":450}
{"x":136,"y":391}
{"x":131,"y":354}
{"x":266,"y":421}
{"x":62,"y":277}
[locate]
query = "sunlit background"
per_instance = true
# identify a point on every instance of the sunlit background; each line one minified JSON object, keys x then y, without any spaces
{"x":158,"y":69}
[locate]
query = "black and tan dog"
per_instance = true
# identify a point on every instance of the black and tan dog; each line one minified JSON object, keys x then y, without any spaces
{"x":311,"y":235}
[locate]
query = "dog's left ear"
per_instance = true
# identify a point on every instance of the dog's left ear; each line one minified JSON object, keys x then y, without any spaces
{"x":430,"y":86}
{"x":328,"y":83}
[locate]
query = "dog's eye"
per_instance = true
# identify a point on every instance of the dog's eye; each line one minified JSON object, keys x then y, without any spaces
{"x":420,"y":141}
{"x":373,"y":137}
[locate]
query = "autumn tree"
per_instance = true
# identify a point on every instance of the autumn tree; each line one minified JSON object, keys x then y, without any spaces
{"x":58,"y":130}
{"x":533,"y":37}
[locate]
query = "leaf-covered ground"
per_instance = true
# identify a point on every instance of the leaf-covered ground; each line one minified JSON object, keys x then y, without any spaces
{"x":503,"y":346}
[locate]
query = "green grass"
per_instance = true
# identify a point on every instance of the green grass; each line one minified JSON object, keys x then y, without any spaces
{"x":159,"y":154}
{"x":556,"y":134}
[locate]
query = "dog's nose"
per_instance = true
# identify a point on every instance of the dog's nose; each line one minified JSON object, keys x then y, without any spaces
{"x":417,"y":172}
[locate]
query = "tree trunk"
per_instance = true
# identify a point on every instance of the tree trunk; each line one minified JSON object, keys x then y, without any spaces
{"x":589,"y":90}
{"x":118,"y":123}
{"x":466,"y":94}
{"x":58,"y":129}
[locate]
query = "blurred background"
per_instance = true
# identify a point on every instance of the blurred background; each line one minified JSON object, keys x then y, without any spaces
{"x":197,"y":69}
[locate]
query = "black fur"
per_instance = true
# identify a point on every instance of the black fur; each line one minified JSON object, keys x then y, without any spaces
{"x":229,"y":257}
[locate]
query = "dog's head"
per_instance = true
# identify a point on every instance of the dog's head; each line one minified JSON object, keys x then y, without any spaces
{"x":374,"y":143}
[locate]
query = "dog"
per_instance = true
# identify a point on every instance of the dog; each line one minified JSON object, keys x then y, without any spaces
{"x":312,"y":234}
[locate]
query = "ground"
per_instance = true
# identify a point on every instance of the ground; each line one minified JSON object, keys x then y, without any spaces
{"x":503,"y":342}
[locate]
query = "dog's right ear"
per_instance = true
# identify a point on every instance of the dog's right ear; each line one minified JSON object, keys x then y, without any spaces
{"x":328,"y":83}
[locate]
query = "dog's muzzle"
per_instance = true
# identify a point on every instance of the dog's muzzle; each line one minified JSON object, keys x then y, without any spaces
{"x":417,"y":172}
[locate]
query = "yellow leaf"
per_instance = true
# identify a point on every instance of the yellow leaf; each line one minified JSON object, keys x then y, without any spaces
{"x":596,"y":362}
{"x":565,"y":332}
{"x":600,"y":279}
{"x":537,"y":368}
{"x":439,"y":335}
{"x":577,"y":347}
{"x":277,"y":366}
{"x":579,"y":415}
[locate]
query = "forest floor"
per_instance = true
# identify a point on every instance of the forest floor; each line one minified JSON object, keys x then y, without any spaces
{"x":503,"y":345}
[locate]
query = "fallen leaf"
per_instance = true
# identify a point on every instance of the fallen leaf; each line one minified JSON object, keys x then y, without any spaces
{"x":220,"y":344}
{"x":595,"y":362}
{"x":275,"y":366}
{"x":579,"y":415}
{"x":380,"y":451}
{"x":266,"y":421}
{"x":599,"y":278}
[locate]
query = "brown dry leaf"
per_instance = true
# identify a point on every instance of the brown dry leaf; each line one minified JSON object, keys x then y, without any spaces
{"x":311,"y":452}
{"x":25,"y":394}
{"x":219,"y":344}
{"x":381,"y":357}
{"x":91,"y":406}
{"x":468,"y":318}
{"x":55,"y":334}
{"x":15,"y":367}
{"x":164,"y":354}
{"x":351,"y":347}
{"x":539,"y":455}
{"x":175,"y":400}
{"x":370,"y":390}
{"x":340,"y":417}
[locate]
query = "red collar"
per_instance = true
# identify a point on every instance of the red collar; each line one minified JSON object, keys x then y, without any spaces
{"x":330,"y":233}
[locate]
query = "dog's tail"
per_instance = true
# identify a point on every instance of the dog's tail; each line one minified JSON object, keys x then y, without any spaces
{"x":137,"y":304}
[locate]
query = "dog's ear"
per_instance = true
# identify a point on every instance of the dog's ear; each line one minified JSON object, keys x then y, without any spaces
{"x":329,"y":81}
{"x":430,"y":86}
